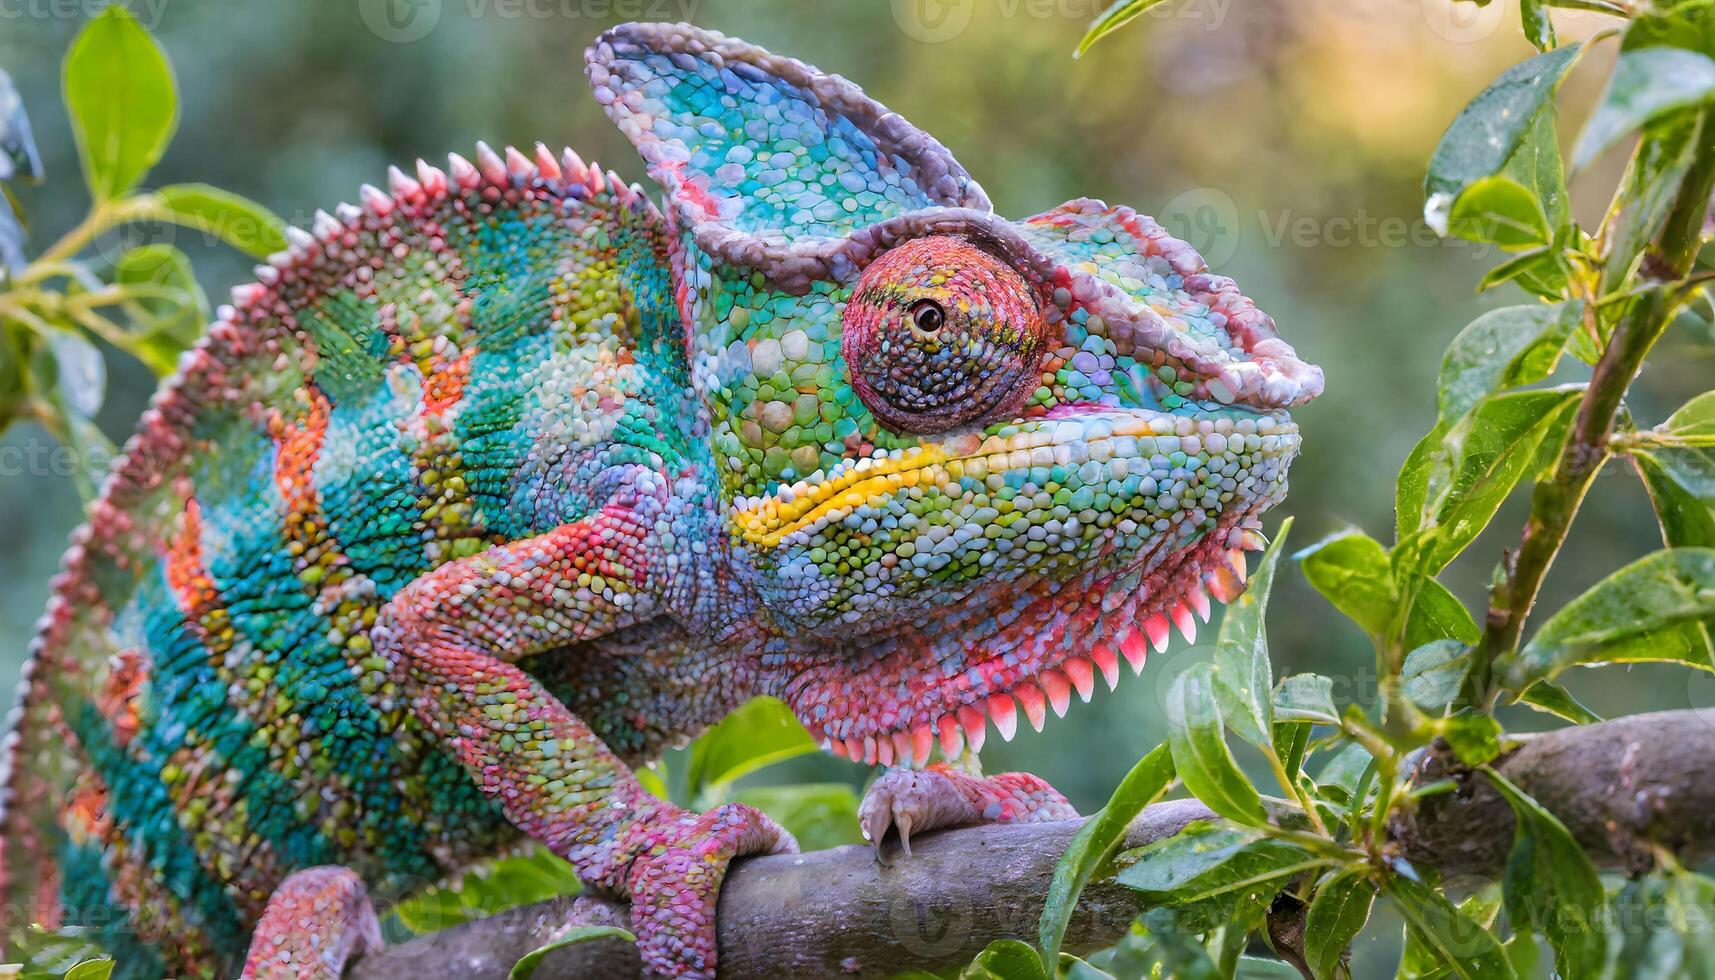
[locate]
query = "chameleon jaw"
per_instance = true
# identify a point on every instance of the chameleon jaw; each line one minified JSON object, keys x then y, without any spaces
{"x":1213,"y":572}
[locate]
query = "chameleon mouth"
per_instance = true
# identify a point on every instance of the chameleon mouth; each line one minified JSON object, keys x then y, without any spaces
{"x":1141,"y":621}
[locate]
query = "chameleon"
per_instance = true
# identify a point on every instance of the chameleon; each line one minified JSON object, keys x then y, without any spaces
{"x":499,"y":482}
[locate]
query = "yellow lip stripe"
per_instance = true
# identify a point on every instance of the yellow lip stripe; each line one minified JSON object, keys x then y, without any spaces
{"x":769,"y":522}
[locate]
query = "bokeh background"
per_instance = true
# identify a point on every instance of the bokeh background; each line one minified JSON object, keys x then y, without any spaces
{"x":1285,"y":138}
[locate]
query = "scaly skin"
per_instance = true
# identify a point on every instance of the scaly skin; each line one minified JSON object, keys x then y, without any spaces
{"x":494,"y":486}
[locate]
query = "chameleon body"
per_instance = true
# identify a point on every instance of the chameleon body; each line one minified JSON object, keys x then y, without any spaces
{"x":500,"y":482}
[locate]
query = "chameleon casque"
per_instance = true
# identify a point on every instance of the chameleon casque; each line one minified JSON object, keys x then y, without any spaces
{"x":496,"y":485}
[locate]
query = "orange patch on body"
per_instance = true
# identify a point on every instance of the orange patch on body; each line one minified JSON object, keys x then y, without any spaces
{"x":119,"y":698}
{"x":297,"y":445}
{"x":186,"y":575}
{"x":444,"y":384}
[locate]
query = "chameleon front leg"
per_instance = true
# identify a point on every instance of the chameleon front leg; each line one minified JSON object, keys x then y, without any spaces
{"x":452,"y":636}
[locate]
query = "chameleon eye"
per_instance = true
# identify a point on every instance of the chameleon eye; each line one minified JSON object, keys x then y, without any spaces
{"x":927,"y":315}
{"x":939,"y":334}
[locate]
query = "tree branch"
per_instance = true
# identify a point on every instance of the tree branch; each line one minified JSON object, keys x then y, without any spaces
{"x":1622,"y":787}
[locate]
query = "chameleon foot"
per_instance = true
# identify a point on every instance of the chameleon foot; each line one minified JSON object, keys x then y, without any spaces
{"x":314,"y":923}
{"x":676,"y":881}
{"x":938,"y":796}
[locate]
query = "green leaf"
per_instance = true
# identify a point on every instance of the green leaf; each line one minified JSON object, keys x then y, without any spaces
{"x":19,"y":159}
{"x":1306,"y":697}
{"x":1647,"y":84}
{"x":1536,"y":166}
{"x":1411,"y":489}
{"x":1351,"y":570}
{"x":1359,"y":577}
{"x":1537,"y":26}
{"x":80,"y":373}
{"x":1500,"y":210}
{"x":1259,"y":968}
{"x":166,"y":326}
{"x":1666,"y":150}
{"x":1462,"y":945}
{"x":1504,"y":348}
{"x":1553,"y":699}
{"x":123,"y":103}
{"x":1337,"y":914}
{"x":1243,"y":677}
{"x":1005,"y":959}
{"x":1200,"y":754}
{"x":1660,"y":928}
{"x":238,"y":221}
{"x":527,"y":964}
{"x":1686,"y":520}
{"x":653,"y":777}
{"x":1117,"y":15}
{"x":819,"y":815}
{"x":1488,"y":132}
{"x":1551,"y":884}
{"x":1437,"y":614}
{"x":761,"y":733}
{"x":1678,"y":467}
{"x":491,"y":887}
{"x":1480,"y":460}
{"x":1344,"y":773}
{"x":1157,"y":945}
{"x":1419,"y":962}
{"x":1071,"y":968}
{"x":1434,"y":673}
{"x":72,"y":378}
{"x":1475,"y":738}
{"x":91,"y":970}
{"x":1655,"y":609}
{"x":1210,"y":872}
{"x":1096,"y":841}
{"x":1538,"y":271}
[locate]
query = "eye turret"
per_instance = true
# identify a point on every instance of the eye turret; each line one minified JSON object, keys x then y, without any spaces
{"x":940,"y":334}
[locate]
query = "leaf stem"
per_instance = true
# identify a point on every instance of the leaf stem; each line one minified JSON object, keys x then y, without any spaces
{"x":1291,"y":786}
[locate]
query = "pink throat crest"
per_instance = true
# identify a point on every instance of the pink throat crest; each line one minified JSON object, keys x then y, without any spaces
{"x":890,"y":700}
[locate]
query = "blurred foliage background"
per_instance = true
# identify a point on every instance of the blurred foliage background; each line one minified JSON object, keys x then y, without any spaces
{"x":1285,"y":138}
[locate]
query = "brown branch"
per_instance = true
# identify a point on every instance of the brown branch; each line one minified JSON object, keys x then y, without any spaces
{"x":1622,"y":787}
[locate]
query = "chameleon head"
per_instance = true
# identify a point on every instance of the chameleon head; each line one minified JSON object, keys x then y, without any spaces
{"x":966,"y":464}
